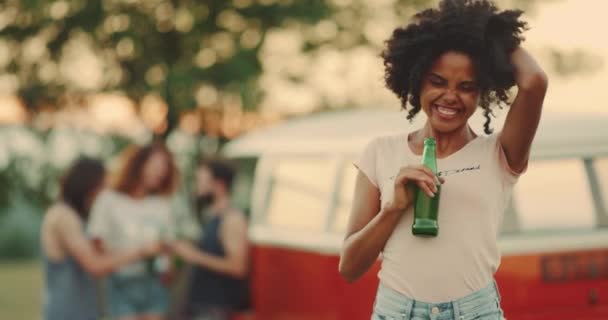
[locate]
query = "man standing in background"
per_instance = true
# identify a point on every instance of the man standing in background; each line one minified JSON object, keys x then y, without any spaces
{"x":220,"y":258}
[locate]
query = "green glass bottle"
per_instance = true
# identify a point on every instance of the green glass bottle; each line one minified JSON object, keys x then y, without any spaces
{"x":425,"y":207}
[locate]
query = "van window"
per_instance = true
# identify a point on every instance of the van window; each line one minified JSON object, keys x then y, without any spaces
{"x":601,"y":167}
{"x":553,"y":195}
{"x":345,"y":197}
{"x":300,"y":193}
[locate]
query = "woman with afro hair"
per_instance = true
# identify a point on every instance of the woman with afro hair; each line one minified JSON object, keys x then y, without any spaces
{"x":447,"y":62}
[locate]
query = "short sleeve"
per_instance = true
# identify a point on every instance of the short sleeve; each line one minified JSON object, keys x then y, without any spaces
{"x":511,"y":176}
{"x":366,"y":163}
{"x":99,"y":219}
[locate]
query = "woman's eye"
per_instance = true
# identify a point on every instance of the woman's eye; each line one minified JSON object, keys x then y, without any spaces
{"x":468,"y":87}
{"x":436,"y":82}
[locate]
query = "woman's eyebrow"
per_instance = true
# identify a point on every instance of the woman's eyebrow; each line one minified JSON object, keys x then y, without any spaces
{"x":433,"y":74}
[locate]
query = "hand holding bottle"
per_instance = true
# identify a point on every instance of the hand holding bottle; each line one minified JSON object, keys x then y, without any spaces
{"x":184,"y":250}
{"x":405,"y":182}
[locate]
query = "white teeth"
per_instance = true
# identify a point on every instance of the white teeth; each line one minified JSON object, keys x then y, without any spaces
{"x":447,"y":111}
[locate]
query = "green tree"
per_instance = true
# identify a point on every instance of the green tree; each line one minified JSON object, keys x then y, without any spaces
{"x":187,"y":51}
{"x":170,"y":47}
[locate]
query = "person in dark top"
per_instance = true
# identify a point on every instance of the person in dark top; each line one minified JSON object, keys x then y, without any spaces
{"x":220,"y":258}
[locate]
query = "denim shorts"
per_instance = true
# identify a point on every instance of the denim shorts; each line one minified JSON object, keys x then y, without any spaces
{"x":480,"y":305}
{"x":136,"y":295}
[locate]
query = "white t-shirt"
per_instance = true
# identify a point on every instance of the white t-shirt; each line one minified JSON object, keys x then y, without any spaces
{"x":465,"y":255}
{"x":124,"y":222}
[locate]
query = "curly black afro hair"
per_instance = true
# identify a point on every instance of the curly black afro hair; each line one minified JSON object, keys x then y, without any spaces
{"x":473,"y":27}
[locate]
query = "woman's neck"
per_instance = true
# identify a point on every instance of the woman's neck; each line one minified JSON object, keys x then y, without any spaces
{"x":446,"y":142}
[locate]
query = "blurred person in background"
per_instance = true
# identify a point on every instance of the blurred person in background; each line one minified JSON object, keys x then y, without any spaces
{"x":220,"y":258}
{"x":447,"y":63}
{"x":136,"y":211}
{"x":70,"y":259}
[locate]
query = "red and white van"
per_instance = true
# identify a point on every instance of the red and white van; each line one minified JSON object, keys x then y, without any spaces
{"x":298,"y":187}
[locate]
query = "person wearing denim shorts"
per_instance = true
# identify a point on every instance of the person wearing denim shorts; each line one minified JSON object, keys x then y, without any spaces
{"x":133,"y":295}
{"x":447,"y":62}
{"x":136,"y":211}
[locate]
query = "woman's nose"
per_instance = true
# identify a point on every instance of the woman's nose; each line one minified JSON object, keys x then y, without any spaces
{"x":449,"y":97}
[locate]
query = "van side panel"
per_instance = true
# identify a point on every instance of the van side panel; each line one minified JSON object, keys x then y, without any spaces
{"x":298,"y":285}
{"x":295,"y":284}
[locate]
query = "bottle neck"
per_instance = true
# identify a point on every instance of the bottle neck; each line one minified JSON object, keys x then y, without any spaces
{"x":429,"y":157}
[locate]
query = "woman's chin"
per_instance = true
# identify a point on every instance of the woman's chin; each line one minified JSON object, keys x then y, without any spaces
{"x":443,"y":126}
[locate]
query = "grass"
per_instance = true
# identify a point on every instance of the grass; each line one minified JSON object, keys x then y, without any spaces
{"x":20,"y":290}
{"x":21,"y":284}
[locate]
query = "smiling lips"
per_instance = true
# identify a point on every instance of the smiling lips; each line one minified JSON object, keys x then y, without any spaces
{"x":446,"y":112}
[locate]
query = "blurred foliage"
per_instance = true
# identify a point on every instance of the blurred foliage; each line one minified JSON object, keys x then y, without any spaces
{"x":169,"y":47}
{"x":190,"y":52}
{"x":32,"y":163}
{"x":166,"y":46}
{"x":19,"y":230}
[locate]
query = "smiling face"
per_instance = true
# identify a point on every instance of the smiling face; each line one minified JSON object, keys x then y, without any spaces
{"x":155,"y":171}
{"x":449,"y":95}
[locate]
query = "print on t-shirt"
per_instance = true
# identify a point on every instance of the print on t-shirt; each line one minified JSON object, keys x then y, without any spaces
{"x":456,"y":171}
{"x":446,"y":173}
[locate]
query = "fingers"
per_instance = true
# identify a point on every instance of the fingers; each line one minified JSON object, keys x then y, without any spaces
{"x":422,"y":176}
{"x":424,"y":186}
{"x":416,"y":173}
{"x":425,"y":169}
{"x":425,"y":183}
{"x":409,"y":173}
{"x":437,"y":179}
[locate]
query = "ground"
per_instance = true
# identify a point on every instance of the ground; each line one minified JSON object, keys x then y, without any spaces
{"x":20,"y":290}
